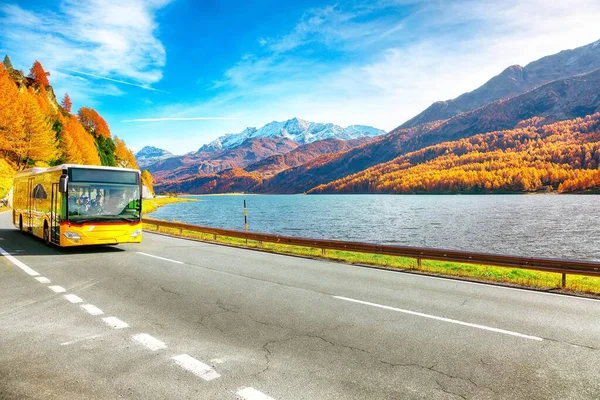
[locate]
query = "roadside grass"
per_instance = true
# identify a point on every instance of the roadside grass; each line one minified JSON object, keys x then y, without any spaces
{"x":151,"y":205}
{"x":2,"y":209}
{"x":509,"y":276}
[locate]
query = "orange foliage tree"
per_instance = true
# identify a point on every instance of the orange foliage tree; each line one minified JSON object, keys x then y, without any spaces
{"x":66,"y":103}
{"x":94,"y":122}
{"x":123,"y":156}
{"x":38,"y":74}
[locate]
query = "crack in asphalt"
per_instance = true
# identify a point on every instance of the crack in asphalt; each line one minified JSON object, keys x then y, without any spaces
{"x":583,"y":346}
{"x":170,"y":291}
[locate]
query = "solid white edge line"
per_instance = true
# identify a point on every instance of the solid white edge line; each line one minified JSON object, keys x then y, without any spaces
{"x":115,"y":322}
{"x":452,"y":321}
{"x":249,"y":393}
{"x":160,"y":258}
{"x":18,"y":263}
{"x":148,"y":341}
{"x":92,"y":309}
{"x":57,"y":289}
{"x":196,"y":367}
{"x":42,"y":279}
{"x":73,"y":298}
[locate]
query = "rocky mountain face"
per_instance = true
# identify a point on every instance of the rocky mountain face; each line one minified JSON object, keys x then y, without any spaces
{"x":295,"y":129}
{"x":252,"y":177}
{"x":252,"y":145}
{"x":149,"y":155}
{"x":209,"y":163}
{"x":559,"y":100}
{"x":513,"y":81}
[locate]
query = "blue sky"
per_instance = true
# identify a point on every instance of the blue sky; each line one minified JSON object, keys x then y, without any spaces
{"x":178,"y":73}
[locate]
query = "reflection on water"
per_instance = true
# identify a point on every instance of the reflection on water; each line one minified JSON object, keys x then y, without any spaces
{"x":528,"y":225}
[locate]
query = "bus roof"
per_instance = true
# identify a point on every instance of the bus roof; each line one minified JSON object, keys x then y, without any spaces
{"x":39,"y":170}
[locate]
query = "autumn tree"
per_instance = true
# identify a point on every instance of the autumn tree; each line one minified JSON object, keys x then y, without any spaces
{"x":66,"y":103}
{"x":93,"y":122}
{"x":148,"y":181}
{"x":124,"y":158}
{"x":77,"y":145}
{"x":40,"y":140}
{"x":38,"y":74}
{"x":12,"y":135}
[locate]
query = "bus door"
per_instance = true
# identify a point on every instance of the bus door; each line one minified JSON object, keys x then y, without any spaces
{"x":29,"y":204}
{"x":54,"y":217}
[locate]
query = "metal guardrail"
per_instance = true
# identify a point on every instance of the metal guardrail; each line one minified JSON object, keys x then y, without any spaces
{"x":575,"y":267}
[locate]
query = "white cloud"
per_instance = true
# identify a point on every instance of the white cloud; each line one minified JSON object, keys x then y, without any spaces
{"x":398,"y":64}
{"x":109,"y":39}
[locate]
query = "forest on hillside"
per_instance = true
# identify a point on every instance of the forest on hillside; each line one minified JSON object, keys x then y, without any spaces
{"x":562,"y":157}
{"x":35,"y":130}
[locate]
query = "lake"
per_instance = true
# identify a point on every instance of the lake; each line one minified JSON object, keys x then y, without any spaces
{"x":557,"y":226}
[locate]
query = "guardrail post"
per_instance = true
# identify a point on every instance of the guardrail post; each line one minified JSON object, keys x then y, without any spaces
{"x":215,"y":237}
{"x":419,"y":263}
{"x":564,"y":281}
{"x":323,"y":252}
{"x":260,"y":243}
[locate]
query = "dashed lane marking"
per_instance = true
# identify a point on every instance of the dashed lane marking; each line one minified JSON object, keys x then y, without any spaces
{"x":196,"y":367}
{"x":251,"y":394}
{"x":148,"y":341}
{"x":57,"y":289}
{"x":18,"y":263}
{"x":452,"y":321}
{"x":115,"y":322}
{"x":92,"y":309}
{"x":73,"y":298}
{"x":160,"y":258}
{"x":42,"y":279}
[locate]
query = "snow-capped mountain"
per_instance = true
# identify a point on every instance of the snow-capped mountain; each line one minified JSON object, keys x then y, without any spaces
{"x":298,"y":130}
{"x":149,"y":155}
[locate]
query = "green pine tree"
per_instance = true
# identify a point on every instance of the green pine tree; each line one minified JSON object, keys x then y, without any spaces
{"x":8,"y":64}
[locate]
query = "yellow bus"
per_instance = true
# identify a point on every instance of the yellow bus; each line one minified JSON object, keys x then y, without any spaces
{"x":73,"y":205}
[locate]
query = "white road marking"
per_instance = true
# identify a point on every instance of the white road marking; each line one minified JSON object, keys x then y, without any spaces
{"x":216,"y":361}
{"x":196,"y":367}
{"x":160,"y":258}
{"x":41,"y":279}
{"x":452,"y":321}
{"x":251,"y":394}
{"x":79,"y":340}
{"x":115,"y":322}
{"x":73,"y":298}
{"x":498,"y":286}
{"x":92,"y":309}
{"x":18,"y":263}
{"x":148,"y":341}
{"x":57,"y":289}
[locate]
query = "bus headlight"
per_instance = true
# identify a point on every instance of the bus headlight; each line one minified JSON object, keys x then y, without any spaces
{"x":136,"y":233}
{"x":72,"y":235}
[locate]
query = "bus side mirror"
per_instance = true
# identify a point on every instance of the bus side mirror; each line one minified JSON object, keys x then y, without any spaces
{"x":62,"y":183}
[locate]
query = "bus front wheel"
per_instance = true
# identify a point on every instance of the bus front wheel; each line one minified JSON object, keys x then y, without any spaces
{"x":21,"y":223}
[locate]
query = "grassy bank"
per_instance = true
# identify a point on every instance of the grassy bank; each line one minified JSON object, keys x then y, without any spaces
{"x":152,"y":205}
{"x":511,"y":276}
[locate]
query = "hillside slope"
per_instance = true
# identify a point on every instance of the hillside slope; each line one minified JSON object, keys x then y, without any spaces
{"x":513,"y":81}
{"x":563,"y":156}
{"x":35,"y":130}
{"x":249,"y":179}
{"x":559,"y":100}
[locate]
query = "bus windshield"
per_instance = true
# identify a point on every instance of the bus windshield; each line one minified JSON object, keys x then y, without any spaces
{"x":89,"y":202}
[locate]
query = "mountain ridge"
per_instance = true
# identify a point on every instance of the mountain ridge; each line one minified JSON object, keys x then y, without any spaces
{"x":513,"y":81}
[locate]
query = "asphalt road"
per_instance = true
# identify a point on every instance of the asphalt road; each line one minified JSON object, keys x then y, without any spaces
{"x":172,"y":318}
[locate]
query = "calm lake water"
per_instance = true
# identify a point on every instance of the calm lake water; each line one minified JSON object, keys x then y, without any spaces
{"x":561,"y":226}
